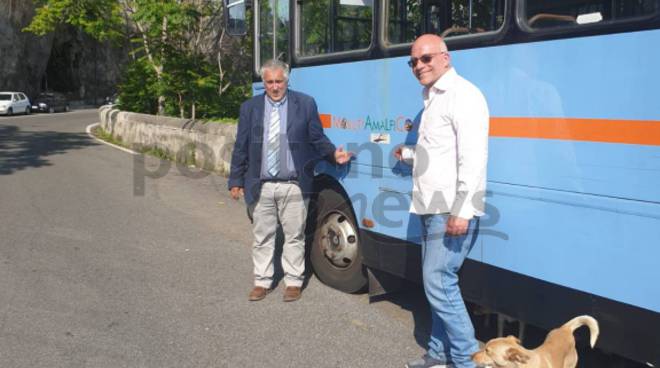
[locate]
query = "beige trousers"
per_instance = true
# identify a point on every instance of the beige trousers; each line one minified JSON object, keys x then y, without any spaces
{"x":281,"y":201}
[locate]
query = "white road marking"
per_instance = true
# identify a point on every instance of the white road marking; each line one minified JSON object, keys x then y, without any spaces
{"x":89,"y":132}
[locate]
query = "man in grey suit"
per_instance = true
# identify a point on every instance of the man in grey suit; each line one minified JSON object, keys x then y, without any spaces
{"x":279,"y":139}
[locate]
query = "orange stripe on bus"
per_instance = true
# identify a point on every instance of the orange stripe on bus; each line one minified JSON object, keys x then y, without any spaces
{"x":645,"y":132}
{"x":326,"y":120}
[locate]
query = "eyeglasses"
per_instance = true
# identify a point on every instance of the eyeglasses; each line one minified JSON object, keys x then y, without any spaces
{"x":425,"y":59}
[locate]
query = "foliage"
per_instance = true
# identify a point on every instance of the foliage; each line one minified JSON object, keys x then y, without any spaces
{"x":136,"y":93}
{"x":102,"y":19}
{"x":195,"y":81}
{"x":226,"y":107}
{"x":161,"y":153}
{"x":104,"y":135}
{"x":180,"y":65}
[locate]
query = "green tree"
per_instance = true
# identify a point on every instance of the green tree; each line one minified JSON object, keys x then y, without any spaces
{"x":102,"y":19}
{"x":179,"y":40}
{"x":136,"y":90}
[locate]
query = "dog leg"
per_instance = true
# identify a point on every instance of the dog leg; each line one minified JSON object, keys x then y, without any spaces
{"x":571,"y":360}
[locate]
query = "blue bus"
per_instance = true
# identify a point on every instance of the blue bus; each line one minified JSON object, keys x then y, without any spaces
{"x":573,"y":194}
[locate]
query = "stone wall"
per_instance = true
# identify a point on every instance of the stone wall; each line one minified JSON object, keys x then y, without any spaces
{"x":206,"y":145}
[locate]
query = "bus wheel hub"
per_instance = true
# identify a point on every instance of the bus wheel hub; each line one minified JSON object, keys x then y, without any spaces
{"x":339,"y":240}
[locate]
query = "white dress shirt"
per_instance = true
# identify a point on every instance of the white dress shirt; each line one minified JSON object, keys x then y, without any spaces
{"x":449,"y":160}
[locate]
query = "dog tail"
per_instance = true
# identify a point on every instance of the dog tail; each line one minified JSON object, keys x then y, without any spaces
{"x":588,"y":321}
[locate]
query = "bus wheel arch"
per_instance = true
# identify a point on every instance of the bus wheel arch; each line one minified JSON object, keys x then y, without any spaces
{"x":334,"y":242}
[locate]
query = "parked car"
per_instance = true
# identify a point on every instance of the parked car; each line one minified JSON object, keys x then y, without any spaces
{"x":14,"y":103}
{"x":50,"y":102}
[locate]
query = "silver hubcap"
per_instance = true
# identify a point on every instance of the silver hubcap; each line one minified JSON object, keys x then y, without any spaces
{"x":339,"y":240}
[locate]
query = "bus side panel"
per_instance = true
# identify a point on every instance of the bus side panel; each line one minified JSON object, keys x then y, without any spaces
{"x":604,"y":246}
{"x":579,"y":213}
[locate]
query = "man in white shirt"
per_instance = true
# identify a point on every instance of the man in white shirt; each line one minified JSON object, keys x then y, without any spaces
{"x":449,"y":182}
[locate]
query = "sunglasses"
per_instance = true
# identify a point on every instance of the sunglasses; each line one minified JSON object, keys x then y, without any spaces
{"x":425,"y":59}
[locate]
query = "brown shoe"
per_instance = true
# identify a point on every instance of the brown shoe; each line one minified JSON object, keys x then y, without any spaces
{"x":258,"y":293}
{"x":292,"y":293}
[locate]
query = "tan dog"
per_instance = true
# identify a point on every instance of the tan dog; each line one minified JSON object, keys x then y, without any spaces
{"x":557,"y":351}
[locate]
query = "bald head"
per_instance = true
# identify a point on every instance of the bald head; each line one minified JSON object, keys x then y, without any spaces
{"x":431,"y":40}
{"x":430,"y":59}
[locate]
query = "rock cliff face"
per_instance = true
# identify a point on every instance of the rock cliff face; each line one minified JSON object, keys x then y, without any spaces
{"x":66,"y":61}
{"x":82,"y":67}
{"x":23,"y":56}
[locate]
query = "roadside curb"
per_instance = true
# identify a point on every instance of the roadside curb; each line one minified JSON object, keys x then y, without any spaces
{"x":89,"y":132}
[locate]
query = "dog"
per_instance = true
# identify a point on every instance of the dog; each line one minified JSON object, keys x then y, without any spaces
{"x":557,"y":351}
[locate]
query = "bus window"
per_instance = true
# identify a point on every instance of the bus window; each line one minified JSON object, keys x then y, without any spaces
{"x":273,"y":30}
{"x":404,"y":21}
{"x":235,"y":17}
{"x":461,"y":17}
{"x":568,"y":13}
{"x":329,"y":26}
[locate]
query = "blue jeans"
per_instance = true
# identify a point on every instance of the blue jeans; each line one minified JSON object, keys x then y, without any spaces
{"x":452,"y":334}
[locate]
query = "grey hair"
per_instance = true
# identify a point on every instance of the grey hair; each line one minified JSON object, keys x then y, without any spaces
{"x":274,"y":64}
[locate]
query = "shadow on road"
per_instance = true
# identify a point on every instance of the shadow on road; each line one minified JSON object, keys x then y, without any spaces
{"x":412,"y":299}
{"x":25,"y":149}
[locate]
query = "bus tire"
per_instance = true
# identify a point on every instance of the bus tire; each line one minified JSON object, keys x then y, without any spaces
{"x":335,"y":253}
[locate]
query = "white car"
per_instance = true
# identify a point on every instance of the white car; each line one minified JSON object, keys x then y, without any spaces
{"x":14,"y":103}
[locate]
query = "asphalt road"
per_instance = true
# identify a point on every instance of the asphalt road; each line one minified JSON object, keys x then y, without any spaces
{"x":95,"y":274}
